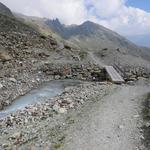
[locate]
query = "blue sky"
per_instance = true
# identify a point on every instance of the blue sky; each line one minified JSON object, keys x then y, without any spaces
{"x":142,"y":4}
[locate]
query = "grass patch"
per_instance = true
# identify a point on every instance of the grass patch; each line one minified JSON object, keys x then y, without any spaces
{"x":70,"y":120}
{"x":146,"y":109}
{"x":146,"y":118}
{"x":57,"y":146}
{"x":83,"y":55}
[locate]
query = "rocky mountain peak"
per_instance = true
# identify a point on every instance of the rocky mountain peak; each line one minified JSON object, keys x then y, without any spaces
{"x":89,"y":23}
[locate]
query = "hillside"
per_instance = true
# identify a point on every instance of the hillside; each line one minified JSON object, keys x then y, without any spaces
{"x":95,"y":37}
{"x":5,"y":10}
{"x":28,"y":58}
{"x":102,"y":45}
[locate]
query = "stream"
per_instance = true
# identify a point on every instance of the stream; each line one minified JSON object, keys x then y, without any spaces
{"x":46,"y":91}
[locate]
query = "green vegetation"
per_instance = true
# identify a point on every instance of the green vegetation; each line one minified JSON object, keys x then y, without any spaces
{"x":83,"y":55}
{"x":57,"y":146}
{"x":70,"y":120}
{"x":146,"y":110}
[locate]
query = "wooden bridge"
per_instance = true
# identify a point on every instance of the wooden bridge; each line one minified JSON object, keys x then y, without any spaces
{"x":114,"y":76}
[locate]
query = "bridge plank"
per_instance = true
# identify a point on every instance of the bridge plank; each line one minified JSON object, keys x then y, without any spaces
{"x":114,"y":75}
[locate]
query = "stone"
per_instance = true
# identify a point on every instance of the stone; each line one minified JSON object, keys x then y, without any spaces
{"x":4,"y":56}
{"x":142,"y":137}
{"x":133,"y":79}
{"x":16,"y":135}
{"x":57,"y":77}
{"x":147,"y":124}
{"x":1,"y":86}
{"x":32,"y":148}
{"x":56,"y":107}
{"x":67,"y":101}
{"x":12,"y":80}
{"x":136,"y":116}
{"x":59,"y":109}
{"x":130,"y":82}
{"x":71,"y":105}
{"x":6,"y":146}
{"x":121,"y":126}
{"x":62,"y":110}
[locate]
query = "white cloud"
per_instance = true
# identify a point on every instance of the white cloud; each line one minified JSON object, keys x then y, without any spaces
{"x":113,"y":14}
{"x":130,"y":21}
{"x":105,"y":8}
{"x":68,"y":11}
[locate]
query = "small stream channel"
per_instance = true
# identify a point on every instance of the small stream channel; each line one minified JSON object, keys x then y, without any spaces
{"x":46,"y":91}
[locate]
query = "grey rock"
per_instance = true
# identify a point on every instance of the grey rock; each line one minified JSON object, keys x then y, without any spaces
{"x":1,"y":86}
{"x":13,"y":80}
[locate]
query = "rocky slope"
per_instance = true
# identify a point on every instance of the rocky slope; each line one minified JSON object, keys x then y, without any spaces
{"x":92,"y":37}
{"x":96,"y":37}
{"x":26,"y":57}
{"x":5,"y":10}
{"x":106,"y":46}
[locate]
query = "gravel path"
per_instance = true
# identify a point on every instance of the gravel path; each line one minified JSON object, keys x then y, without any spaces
{"x":109,"y":124}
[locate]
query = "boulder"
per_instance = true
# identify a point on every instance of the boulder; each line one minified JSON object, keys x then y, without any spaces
{"x":4,"y":56}
{"x":16,"y":135}
{"x":56,"y":107}
{"x":62,"y":110}
{"x":12,"y":80}
{"x":1,"y":86}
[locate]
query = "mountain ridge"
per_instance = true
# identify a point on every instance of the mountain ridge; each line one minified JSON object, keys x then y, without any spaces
{"x":92,"y":36}
{"x":5,"y":10}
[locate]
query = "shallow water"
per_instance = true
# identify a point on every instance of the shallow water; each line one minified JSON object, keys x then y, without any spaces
{"x":46,"y":91}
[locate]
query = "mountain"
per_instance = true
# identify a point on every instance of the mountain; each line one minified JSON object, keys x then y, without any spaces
{"x":5,"y":10}
{"x":89,"y":39}
{"x":94,"y":37}
{"x":143,"y":40}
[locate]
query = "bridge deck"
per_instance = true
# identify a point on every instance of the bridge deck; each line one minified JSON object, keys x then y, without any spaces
{"x":113,"y":74}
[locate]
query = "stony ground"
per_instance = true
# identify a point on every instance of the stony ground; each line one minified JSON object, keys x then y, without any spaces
{"x":42,"y":125}
{"x":89,"y":116}
{"x":111,"y":123}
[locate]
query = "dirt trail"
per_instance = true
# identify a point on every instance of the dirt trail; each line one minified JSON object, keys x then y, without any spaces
{"x":109,"y":124}
{"x":96,"y":59}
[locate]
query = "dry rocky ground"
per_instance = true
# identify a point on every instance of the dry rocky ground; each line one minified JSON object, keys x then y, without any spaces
{"x":43,"y":125}
{"x":87,"y":116}
{"x":28,"y":59}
